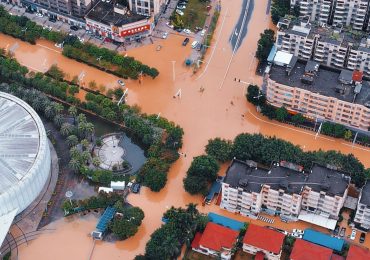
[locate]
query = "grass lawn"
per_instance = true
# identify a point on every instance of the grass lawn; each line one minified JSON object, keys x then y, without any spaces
{"x":195,"y":14}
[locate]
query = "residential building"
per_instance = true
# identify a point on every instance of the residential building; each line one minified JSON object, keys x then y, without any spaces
{"x":320,"y":94}
{"x":362,"y":216}
{"x":117,"y":22}
{"x":216,"y":240}
{"x":147,"y":7}
{"x":261,"y":240}
{"x":304,"y":250}
{"x":356,"y":253}
{"x":354,"y":13}
{"x":285,"y":190}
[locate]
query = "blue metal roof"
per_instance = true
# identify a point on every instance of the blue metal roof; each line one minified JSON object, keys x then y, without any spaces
{"x":215,"y":188}
{"x":225,"y":221}
{"x":272,"y":54}
{"x":323,"y":239}
{"x":104,"y":220}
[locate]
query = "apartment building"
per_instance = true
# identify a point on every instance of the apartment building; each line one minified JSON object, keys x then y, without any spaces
{"x":321,"y":94}
{"x":147,"y":7}
{"x":362,"y":217}
{"x":353,"y":13}
{"x":284,"y":190}
{"x":117,"y":22}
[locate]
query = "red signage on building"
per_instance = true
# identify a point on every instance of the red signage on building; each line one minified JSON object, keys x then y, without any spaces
{"x":136,"y":30}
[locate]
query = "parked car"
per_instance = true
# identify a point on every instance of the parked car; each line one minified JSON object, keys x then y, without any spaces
{"x":181,"y":7}
{"x":185,"y":42}
{"x":203,"y":32}
{"x":52,"y":19}
{"x":336,"y":231}
{"x":179,"y":12}
{"x":187,"y":31}
{"x":362,"y":238}
{"x":353,"y":235}
{"x":199,"y":47}
{"x":39,"y":15}
{"x":120,"y":81}
{"x":169,"y":25}
{"x":59,"y":45}
{"x":194,"y":44}
{"x":164,"y":36}
{"x":342,"y":232}
{"x":136,"y":188}
{"x":73,"y":28}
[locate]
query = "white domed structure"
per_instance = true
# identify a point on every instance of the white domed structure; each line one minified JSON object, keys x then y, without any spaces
{"x":24,"y":157}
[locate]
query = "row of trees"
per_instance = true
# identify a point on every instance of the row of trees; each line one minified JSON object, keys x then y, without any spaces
{"x":23,"y":28}
{"x":264,"y":44}
{"x":180,"y":228}
{"x":160,"y":137}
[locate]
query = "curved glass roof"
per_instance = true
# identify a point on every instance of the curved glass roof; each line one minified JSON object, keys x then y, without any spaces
{"x":19,"y":140}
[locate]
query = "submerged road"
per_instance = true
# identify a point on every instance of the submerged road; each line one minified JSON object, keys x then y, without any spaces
{"x":206,"y":114}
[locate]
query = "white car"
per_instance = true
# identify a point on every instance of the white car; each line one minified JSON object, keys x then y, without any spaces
{"x":169,"y":25}
{"x":298,"y":231}
{"x":81,"y":39}
{"x":181,"y":7}
{"x":179,"y":12}
{"x":39,"y":15}
{"x":164,"y":36}
{"x":59,"y":45}
{"x":353,"y":234}
{"x":203,"y":32}
{"x":187,"y":31}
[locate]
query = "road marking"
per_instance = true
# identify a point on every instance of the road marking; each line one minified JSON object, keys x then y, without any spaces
{"x":355,"y":146}
{"x":213,"y":51}
{"x":32,"y":68}
{"x":287,"y":127}
{"x":46,"y":47}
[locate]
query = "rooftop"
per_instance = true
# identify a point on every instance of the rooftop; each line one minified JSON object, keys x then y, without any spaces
{"x":322,"y":239}
{"x":285,"y":176}
{"x":324,"y":81}
{"x":365,"y":194}
{"x":225,"y":221}
{"x":303,"y":250}
{"x":216,"y":237}
{"x":20,"y":129}
{"x":264,"y":238}
{"x":355,"y":253}
{"x":104,"y":12}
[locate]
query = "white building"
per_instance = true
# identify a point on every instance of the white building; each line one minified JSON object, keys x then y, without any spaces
{"x":284,"y":190}
{"x":146,"y":7}
{"x":24,"y":158}
{"x":362,"y":217}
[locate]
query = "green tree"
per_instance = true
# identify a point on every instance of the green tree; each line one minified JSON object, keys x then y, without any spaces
{"x":123,"y":228}
{"x":281,"y":114}
{"x":298,"y":119}
{"x":348,"y":134}
{"x":55,"y":72}
{"x":72,"y":140}
{"x":255,"y":96}
{"x":219,"y":149}
{"x":74,"y":164}
{"x":66,"y":129}
{"x":265,"y":44}
{"x":58,"y":120}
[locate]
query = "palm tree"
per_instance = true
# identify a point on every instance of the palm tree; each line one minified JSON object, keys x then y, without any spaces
{"x":81,"y":118}
{"x":96,"y":161}
{"x":72,"y":110}
{"x":58,"y":108}
{"x":89,"y":129}
{"x":192,"y":210}
{"x":74,"y":164}
{"x":58,"y":121}
{"x":37,"y":104}
{"x":172,"y":246}
{"x":75,"y":153}
{"x":49,"y":112}
{"x":85,"y":144}
{"x":81,"y":129}
{"x":66,"y":129}
{"x":72,"y":140}
{"x":85,"y":156}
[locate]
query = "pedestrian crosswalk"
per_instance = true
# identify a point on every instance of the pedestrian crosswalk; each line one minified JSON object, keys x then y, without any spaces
{"x":268,"y":220}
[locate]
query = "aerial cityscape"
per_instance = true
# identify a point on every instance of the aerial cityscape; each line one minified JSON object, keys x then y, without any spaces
{"x":184,"y":129}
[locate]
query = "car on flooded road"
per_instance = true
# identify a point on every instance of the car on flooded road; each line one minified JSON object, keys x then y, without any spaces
{"x":136,"y":187}
{"x":121,"y":83}
{"x":185,"y":42}
{"x":362,"y":238}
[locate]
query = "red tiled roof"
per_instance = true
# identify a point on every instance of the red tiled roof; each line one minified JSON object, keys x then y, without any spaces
{"x":303,"y":250}
{"x":337,"y":257}
{"x":264,"y":238}
{"x":357,"y":75}
{"x":356,"y":253}
{"x":259,"y":256}
{"x":216,"y":237}
{"x":195,"y":243}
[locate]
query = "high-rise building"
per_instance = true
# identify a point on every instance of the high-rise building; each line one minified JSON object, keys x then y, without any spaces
{"x":146,"y":7}
{"x":362,"y":217}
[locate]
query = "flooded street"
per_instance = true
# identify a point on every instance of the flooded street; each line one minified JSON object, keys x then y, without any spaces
{"x":217,"y":112}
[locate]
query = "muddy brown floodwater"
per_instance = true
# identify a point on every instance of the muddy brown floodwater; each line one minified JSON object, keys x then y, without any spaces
{"x":219,"y":111}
